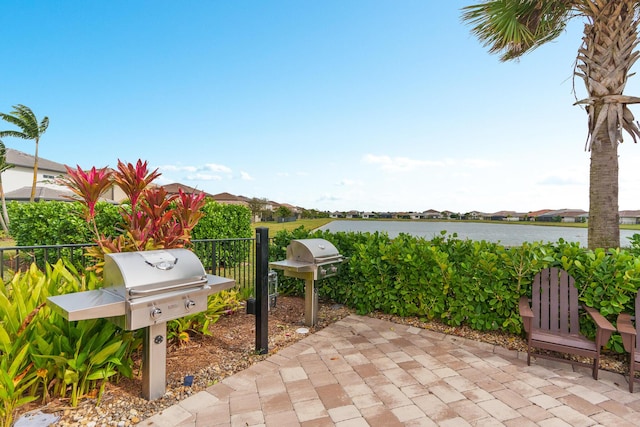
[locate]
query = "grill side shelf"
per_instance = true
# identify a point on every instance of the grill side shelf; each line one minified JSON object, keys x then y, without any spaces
{"x":87,"y":305}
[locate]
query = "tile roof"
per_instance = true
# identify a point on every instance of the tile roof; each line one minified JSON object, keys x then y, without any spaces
{"x":19,"y":158}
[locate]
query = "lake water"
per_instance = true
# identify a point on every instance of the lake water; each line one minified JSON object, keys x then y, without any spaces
{"x":505,"y":234}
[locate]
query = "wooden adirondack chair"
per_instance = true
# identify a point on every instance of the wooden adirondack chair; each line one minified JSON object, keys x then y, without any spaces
{"x":631,"y":340}
{"x":551,"y":321}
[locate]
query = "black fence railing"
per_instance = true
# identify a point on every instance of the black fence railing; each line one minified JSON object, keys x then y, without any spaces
{"x":20,"y":258}
{"x":231,"y":258}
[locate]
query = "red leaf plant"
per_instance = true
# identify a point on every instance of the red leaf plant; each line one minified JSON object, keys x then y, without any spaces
{"x":154,"y":219}
{"x":88,"y":186}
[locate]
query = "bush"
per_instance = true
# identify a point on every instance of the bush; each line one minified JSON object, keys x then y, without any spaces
{"x":475,"y":283}
{"x":222,"y":222}
{"x":58,"y":223}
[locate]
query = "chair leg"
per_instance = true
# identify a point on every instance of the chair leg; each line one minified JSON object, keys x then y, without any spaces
{"x":596,"y":365}
{"x":632,"y":374}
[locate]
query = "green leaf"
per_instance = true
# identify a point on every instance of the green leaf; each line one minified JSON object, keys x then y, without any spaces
{"x":99,"y":358}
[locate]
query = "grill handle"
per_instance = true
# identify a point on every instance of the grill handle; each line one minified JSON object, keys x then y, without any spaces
{"x":167,"y":288}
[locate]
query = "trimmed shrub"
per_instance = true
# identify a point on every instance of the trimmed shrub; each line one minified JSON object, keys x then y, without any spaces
{"x":58,"y":223}
{"x":222,"y":222}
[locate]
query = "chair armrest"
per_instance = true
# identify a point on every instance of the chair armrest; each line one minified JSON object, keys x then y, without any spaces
{"x":526,"y":313}
{"x":627,"y":331}
{"x":604,"y":328}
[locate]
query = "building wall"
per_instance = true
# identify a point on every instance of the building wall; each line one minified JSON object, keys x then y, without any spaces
{"x":18,"y":177}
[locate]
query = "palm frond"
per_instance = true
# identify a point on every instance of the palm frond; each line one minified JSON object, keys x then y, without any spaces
{"x":3,"y":159}
{"x":23,"y":117}
{"x":44,"y":124}
{"x":13,"y":134}
{"x":512,"y":28}
{"x":14,"y":120}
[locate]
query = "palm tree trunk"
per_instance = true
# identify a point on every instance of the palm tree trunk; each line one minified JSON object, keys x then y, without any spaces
{"x":4,"y":220}
{"x":604,"y":60}
{"x":35,"y":173}
{"x":604,"y":216}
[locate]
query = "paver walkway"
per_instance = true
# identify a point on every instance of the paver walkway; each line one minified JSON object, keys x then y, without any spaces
{"x":362,"y":371}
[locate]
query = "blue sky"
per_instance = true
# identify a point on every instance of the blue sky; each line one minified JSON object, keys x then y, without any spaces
{"x":335,"y":105}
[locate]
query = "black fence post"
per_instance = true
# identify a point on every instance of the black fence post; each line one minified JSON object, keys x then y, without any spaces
{"x":262,"y":290}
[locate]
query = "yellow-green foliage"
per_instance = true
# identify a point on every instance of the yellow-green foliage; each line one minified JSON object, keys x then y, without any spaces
{"x":38,"y":346}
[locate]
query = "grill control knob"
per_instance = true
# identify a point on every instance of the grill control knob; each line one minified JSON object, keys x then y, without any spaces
{"x":155,"y":313}
{"x":333,"y":269}
{"x":322,"y":272}
{"x":189,"y":304}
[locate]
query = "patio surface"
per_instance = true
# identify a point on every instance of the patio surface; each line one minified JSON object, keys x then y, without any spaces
{"x":362,"y":371}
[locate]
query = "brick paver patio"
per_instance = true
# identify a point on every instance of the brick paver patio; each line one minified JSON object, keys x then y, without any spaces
{"x":362,"y":371}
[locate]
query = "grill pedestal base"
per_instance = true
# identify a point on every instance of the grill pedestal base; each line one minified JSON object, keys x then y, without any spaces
{"x":310,"y":302}
{"x":154,"y":361}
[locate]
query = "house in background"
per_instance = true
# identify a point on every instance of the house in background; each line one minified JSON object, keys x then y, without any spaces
{"x":533,"y":215}
{"x":174,"y":188}
{"x":18,"y":180}
{"x":230,"y":199}
{"x":564,"y":215}
{"x":431,"y":214}
{"x":629,"y":217}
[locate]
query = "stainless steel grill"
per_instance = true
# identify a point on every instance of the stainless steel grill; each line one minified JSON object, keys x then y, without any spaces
{"x":311,"y":260}
{"x":145,"y":290}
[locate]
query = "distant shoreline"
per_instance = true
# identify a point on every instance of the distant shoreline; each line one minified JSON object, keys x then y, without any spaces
{"x":484,"y":221}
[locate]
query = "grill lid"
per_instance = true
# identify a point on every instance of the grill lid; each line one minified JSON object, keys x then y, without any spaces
{"x":313,"y":251}
{"x":138,"y":273}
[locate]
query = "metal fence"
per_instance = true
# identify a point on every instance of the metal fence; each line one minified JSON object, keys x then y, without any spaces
{"x":231,"y":258}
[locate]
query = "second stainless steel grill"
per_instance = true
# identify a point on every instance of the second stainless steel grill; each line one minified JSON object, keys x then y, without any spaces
{"x":311,"y":260}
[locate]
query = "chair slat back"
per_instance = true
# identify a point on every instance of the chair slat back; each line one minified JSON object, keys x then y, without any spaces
{"x":555,"y":301}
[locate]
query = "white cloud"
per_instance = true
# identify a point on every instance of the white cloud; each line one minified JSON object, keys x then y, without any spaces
{"x":177,"y":168}
{"x":203,"y":177}
{"x":347,"y":183}
{"x":213,"y":167}
{"x":245,"y":176}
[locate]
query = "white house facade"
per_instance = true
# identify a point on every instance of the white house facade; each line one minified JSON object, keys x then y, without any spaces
{"x":21,"y":175}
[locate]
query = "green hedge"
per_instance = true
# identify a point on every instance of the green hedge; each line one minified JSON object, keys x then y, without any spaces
{"x":223,"y":222}
{"x":475,"y":283}
{"x":61,"y":223}
{"x":58,"y":223}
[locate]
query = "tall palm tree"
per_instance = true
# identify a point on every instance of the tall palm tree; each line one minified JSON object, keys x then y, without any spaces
{"x":23,"y":117}
{"x":515,"y":27}
{"x":4,"y":219}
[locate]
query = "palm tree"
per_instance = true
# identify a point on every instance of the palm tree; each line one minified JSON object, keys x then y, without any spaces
{"x":515,"y":27}
{"x":4,"y":219}
{"x":23,"y":117}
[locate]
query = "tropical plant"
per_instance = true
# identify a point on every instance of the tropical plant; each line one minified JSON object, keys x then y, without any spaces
{"x":4,"y":219}
{"x":23,"y":117}
{"x":512,"y":28}
{"x":152,"y":219}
